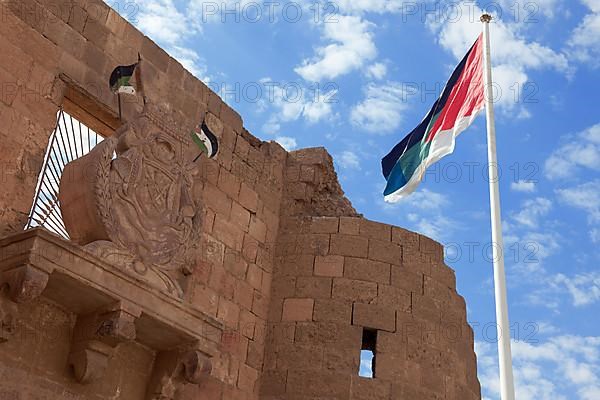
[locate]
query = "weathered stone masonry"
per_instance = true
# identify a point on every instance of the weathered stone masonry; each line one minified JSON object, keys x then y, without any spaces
{"x":283,"y":280}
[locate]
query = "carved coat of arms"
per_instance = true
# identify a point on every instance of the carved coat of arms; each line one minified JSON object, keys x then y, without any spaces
{"x":130,"y":201}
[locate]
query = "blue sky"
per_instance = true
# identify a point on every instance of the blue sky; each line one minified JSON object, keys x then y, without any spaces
{"x":359,"y":75}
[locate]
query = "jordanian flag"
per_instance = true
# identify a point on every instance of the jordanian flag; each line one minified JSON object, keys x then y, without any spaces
{"x":457,"y":107}
{"x":120,"y":79}
{"x":206,"y":141}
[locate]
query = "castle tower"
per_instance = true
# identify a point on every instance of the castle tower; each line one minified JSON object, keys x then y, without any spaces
{"x":155,"y":276}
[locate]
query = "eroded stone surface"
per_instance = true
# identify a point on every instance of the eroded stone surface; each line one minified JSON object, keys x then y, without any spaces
{"x":257,"y":254}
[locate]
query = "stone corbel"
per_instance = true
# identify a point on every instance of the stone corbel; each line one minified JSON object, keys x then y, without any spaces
{"x":176,"y":368}
{"x":95,"y":337}
{"x":25,"y":282}
{"x":8,"y":318}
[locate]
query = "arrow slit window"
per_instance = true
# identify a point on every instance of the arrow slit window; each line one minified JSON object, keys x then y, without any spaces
{"x":368,"y":353}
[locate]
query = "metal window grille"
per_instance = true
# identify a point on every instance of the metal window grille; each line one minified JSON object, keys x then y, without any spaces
{"x":70,"y":140}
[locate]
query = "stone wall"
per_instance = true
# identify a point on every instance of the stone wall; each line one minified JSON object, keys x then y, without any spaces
{"x":335,"y":276}
{"x":286,"y":265}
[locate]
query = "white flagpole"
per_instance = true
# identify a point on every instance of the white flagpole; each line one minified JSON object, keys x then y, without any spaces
{"x":507,"y":387}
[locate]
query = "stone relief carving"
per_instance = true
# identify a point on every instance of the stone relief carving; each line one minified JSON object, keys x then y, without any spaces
{"x":130,"y":200}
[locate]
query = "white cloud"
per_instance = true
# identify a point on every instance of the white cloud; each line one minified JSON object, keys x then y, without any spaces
{"x":170,"y":27}
{"x":318,"y":109}
{"x":425,"y":199}
{"x":438,"y":228}
{"x":583,"y":288}
{"x":376,"y":71}
{"x":190,"y":61}
{"x":348,"y":160}
{"x":426,"y":212}
{"x":585,"y":196}
{"x":584,"y":43}
{"x":595,"y":235}
{"x":512,"y":55}
{"x":559,"y":368}
{"x":531,"y":211}
{"x":529,"y":13}
{"x":381,"y":110}
{"x":579,"y":151}
{"x":163,"y":22}
{"x":523,"y":186}
{"x":298,"y":102}
{"x":367,"y":6}
{"x":529,"y":239}
{"x":288,"y":143}
{"x":351,"y":46}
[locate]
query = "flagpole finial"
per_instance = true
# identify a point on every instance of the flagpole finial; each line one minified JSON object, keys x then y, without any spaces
{"x":486,"y":18}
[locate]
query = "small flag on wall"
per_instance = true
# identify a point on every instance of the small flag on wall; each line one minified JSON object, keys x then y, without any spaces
{"x":120,"y":79}
{"x":206,"y":141}
{"x":460,"y":103}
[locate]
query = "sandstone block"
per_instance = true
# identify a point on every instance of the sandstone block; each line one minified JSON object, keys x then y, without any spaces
{"x":217,"y":200}
{"x":300,"y":357}
{"x":248,"y":198}
{"x":346,"y":245}
{"x":206,"y":300}
{"x":431,"y":248}
{"x":255,"y":357}
{"x":247,"y":324}
{"x":250,"y":248}
{"x":242,"y":147}
{"x":336,"y":358}
{"x":273,"y":383}
{"x":257,"y":229}
{"x":331,"y":266}
{"x":367,"y":270}
{"x":405,"y":238}
{"x":231,"y":235}
{"x":314,"y":243}
{"x":350,"y":225}
{"x":444,"y":274}
{"x":260,"y":305}
{"x":298,"y":309}
{"x":393,"y":343}
{"x":375,"y":317}
{"x":313,"y":287}
{"x":247,"y":378}
{"x":407,"y":280}
{"x":229,"y":183}
{"x":244,"y":294}
{"x":96,"y":32}
{"x":77,"y":18}
{"x":333,"y":311}
{"x":385,"y":251}
{"x":324,"y":225}
{"x":323,"y":385}
{"x":240,"y":216}
{"x":231,"y":118}
{"x":426,"y":308}
{"x":229,"y":313}
{"x":437,"y":290}
{"x":375,"y":230}
{"x":254,"y":276}
{"x":393,"y":298}
{"x":153,"y":53}
{"x":369,"y":389}
{"x":354,"y":290}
